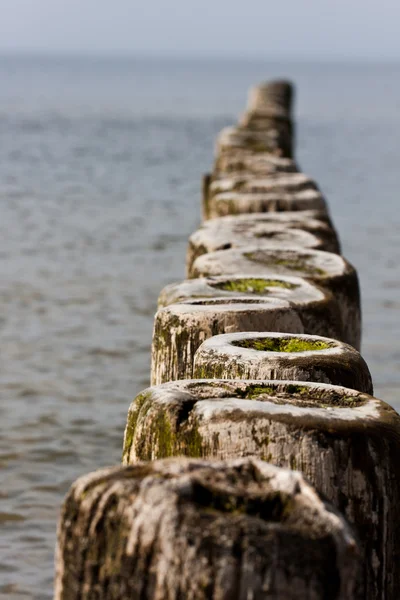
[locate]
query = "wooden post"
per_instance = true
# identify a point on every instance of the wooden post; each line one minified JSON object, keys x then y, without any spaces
{"x":275,"y":140}
{"x":250,"y":162}
{"x":316,"y":307}
{"x":205,"y":186}
{"x":281,"y":182}
{"x":202,"y":530}
{"x":298,"y":228}
{"x":329,"y":270}
{"x":345,"y":442}
{"x":237,"y":203}
{"x":282,"y":356}
{"x":268,"y":120}
{"x":271,"y":96}
{"x":268,"y":104}
{"x":262,"y":235}
{"x":242,"y":193}
{"x":179,"y":329}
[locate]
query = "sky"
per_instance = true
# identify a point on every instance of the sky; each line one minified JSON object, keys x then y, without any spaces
{"x":265,"y":29}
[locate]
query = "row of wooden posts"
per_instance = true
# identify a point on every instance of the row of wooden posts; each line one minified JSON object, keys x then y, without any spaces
{"x":259,"y":464}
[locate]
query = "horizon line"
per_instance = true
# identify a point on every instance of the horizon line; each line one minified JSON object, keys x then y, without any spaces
{"x":142,"y":55}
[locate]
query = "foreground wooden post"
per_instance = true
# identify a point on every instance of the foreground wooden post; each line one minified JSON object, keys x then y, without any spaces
{"x":317,"y":308}
{"x":329,"y":270}
{"x":282,"y":356}
{"x":301,"y":228}
{"x":202,"y":531}
{"x":345,"y":442}
{"x":179,"y":329}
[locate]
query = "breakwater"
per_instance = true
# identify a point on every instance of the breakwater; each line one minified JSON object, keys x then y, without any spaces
{"x":342,"y":439}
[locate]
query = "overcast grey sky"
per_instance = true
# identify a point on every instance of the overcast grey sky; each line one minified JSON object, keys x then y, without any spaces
{"x":303,"y":29}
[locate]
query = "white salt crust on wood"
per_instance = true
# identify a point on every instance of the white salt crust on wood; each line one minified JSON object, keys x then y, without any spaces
{"x":259,"y":229}
{"x":285,"y":356}
{"x":317,"y":308}
{"x":201,"y":530}
{"x":326,"y":269}
{"x":346,"y":443}
{"x":179,"y":329}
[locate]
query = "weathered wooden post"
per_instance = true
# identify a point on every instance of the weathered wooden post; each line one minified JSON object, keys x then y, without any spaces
{"x":326,"y":269}
{"x":280,"y":182}
{"x":179,"y":329}
{"x":236,"y":203}
{"x":271,"y":97}
{"x":286,"y":229}
{"x":269,"y":109}
{"x":238,"y":194}
{"x":275,"y":140}
{"x":203,"y":531}
{"x":316,"y":307}
{"x":282,"y":356}
{"x":345,"y":442}
{"x":259,"y":164}
{"x":261,"y":235}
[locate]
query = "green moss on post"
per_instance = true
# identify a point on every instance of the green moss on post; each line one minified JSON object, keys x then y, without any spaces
{"x":282,"y":344}
{"x":253,"y":285}
{"x":283,"y":356}
{"x":294,"y":263}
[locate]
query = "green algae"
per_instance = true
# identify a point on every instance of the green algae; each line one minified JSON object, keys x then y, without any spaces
{"x":215,"y":370}
{"x":139,"y":403}
{"x":191,"y":442}
{"x":161,"y":436}
{"x":297,"y":389}
{"x":300,"y":395}
{"x":321,"y":399}
{"x":281,"y":393}
{"x":253,"y":285}
{"x":297,"y":263}
{"x":300,"y":265}
{"x":255,"y":391}
{"x":282,"y":345}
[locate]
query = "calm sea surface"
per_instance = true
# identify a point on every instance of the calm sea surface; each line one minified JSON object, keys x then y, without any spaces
{"x":100,"y":166}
